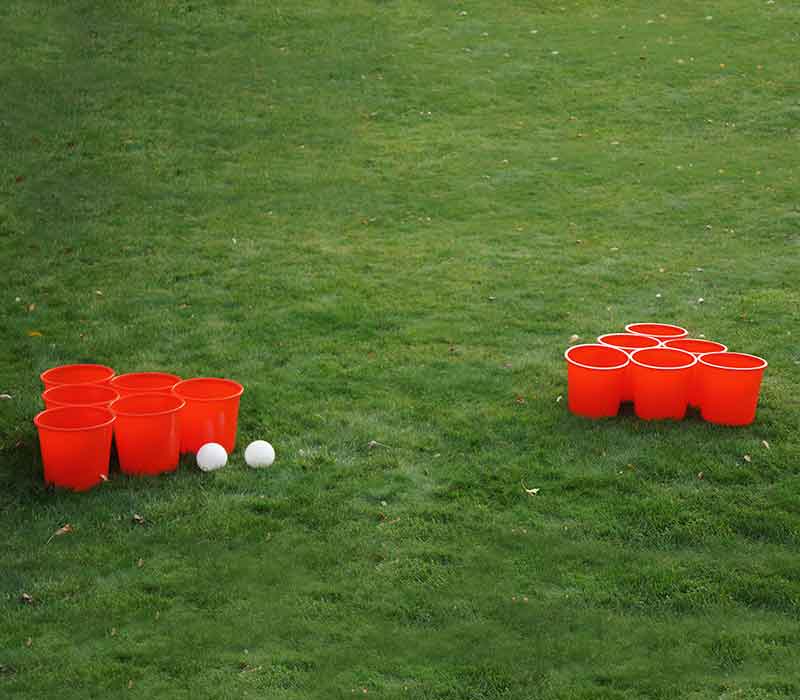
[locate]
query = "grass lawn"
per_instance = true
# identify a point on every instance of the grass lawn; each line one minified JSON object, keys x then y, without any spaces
{"x":386,"y":218}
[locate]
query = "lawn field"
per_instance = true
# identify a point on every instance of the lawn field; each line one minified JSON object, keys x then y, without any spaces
{"x":386,"y":219}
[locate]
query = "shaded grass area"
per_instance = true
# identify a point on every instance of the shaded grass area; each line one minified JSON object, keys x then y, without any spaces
{"x":386,"y":219}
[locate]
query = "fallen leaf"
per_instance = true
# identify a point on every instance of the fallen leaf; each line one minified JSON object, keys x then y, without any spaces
{"x":530,"y":492}
{"x":31,"y":307}
{"x":19,"y":178}
{"x":574,"y":338}
{"x":98,"y":292}
{"x":130,"y":684}
{"x":747,"y":459}
{"x":26,"y":599}
{"x":29,"y":642}
{"x":5,"y":397}
{"x":559,"y":398}
{"x":763,"y":442}
{"x":520,"y":399}
{"x":700,"y":475}
{"x":113,"y":631}
{"x":64,"y":530}
{"x":138,"y":519}
{"x":35,"y":334}
{"x":140,"y":563}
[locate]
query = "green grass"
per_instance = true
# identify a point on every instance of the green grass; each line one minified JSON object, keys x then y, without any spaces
{"x":386,"y":219}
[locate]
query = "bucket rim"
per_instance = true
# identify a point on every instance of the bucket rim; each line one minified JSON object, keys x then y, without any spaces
{"x":641,"y":363}
{"x":40,"y":417}
{"x":148,"y":414}
{"x":119,"y":379}
{"x":722,"y":347}
{"x":237,"y":389}
{"x":600,"y":339}
{"x":45,"y":376}
{"x":672,"y":336}
{"x":596,"y":345}
{"x":48,"y":395}
{"x":708,"y":361}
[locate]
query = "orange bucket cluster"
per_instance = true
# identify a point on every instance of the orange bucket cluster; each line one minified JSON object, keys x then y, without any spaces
{"x":152,"y":416}
{"x":663,"y":372}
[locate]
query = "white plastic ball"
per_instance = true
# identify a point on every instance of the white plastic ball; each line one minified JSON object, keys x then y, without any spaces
{"x":211,"y":456}
{"x":259,"y":454}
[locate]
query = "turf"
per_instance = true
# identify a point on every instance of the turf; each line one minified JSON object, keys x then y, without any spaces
{"x":386,"y":219}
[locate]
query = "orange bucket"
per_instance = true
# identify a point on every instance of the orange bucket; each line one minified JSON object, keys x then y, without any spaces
{"x":595,"y":374}
{"x":76,"y":445}
{"x":730,"y":383}
{"x":148,"y":432}
{"x":697,"y":347}
{"x":661,"y":379}
{"x":628,"y":342}
{"x":76,"y":374}
{"x":100,"y":395}
{"x":662,"y":331}
{"x":141,"y":382}
{"x":211,"y":413}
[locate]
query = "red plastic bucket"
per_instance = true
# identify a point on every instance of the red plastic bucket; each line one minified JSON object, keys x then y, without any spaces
{"x":662,"y":331}
{"x":76,"y":374}
{"x":148,"y":432}
{"x":628,"y":342}
{"x":594,"y":379}
{"x":76,"y":445}
{"x":100,"y":395}
{"x":729,"y":386}
{"x":211,"y":413}
{"x":661,"y":379}
{"x":697,"y":347}
{"x":141,"y":382}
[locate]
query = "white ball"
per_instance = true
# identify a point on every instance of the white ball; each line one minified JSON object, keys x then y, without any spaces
{"x":259,"y":454}
{"x":211,"y":456}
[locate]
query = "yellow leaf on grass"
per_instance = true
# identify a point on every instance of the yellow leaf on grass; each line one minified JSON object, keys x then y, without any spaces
{"x":35,"y":334}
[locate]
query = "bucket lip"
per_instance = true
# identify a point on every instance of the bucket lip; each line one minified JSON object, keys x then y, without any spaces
{"x":39,"y":417}
{"x":149,"y":395}
{"x":600,"y":339}
{"x":595,"y":345}
{"x":722,"y":346}
{"x":45,"y":376}
{"x":706,"y":360}
{"x":238,"y":389}
{"x":119,"y":379}
{"x":639,"y":362}
{"x":682,"y":331}
{"x":47,"y":394}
